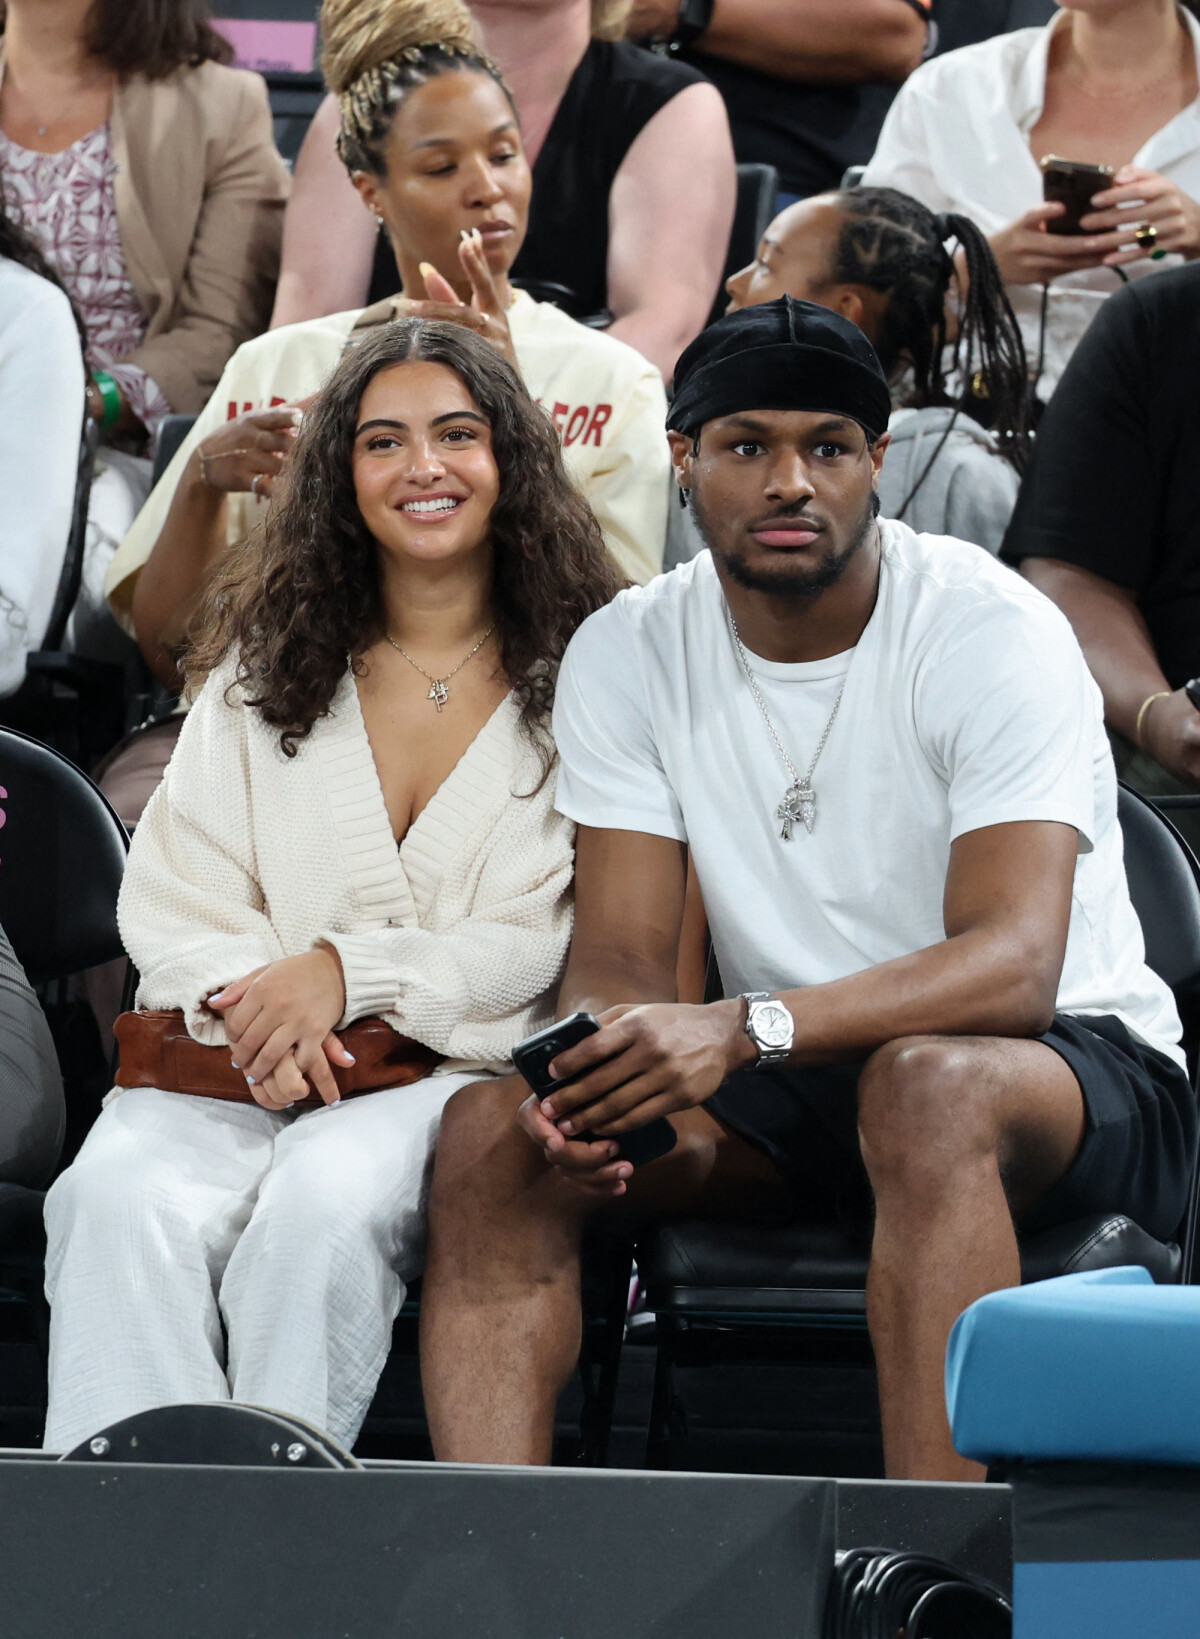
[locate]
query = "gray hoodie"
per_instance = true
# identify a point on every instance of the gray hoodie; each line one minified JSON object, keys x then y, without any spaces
{"x":969,"y":491}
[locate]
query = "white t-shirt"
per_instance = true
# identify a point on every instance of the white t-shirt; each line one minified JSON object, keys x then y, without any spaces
{"x":957,"y":138}
{"x":606,"y":400}
{"x":41,"y":418}
{"x":967,"y":703}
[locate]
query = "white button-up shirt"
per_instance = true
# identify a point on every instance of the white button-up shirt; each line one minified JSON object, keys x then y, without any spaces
{"x":957,"y":138}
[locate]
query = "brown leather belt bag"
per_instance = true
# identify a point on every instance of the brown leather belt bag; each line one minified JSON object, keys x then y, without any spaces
{"x":156,"y":1051}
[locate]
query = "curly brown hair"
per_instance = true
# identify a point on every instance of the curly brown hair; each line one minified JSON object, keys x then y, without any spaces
{"x":301,"y":596}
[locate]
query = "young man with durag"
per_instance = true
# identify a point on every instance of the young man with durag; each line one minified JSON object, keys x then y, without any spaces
{"x":887,"y":757}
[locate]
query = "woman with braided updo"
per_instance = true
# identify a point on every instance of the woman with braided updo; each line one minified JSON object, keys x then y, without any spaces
{"x":960,"y":434}
{"x":429,"y":135}
{"x":632,"y":158}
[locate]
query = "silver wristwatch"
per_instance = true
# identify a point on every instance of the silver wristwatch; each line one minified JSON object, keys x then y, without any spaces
{"x":769,"y":1026}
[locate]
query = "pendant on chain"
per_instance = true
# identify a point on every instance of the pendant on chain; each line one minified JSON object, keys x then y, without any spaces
{"x":438,"y":693}
{"x":799,"y":807}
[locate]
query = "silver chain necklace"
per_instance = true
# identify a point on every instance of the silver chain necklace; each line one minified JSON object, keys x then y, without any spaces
{"x":438,"y":691}
{"x":799,"y":805}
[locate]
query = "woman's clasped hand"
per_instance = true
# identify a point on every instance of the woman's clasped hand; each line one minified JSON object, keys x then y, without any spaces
{"x":279,"y":1023}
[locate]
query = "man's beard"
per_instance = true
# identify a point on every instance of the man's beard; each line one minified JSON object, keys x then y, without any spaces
{"x":788,"y":581}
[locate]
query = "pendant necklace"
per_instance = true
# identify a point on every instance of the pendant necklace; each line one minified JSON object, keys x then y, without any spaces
{"x":438,"y":692}
{"x":799,"y":805}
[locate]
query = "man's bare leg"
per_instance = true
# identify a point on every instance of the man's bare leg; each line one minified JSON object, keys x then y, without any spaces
{"x":500,"y":1314}
{"x":956,"y":1134}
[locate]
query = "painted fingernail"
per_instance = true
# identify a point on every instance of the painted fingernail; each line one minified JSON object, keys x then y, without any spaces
{"x":464,"y":233}
{"x":427,"y":268}
{"x":235,"y":1064}
{"x":216,"y":995}
{"x":251,"y":1081}
{"x":351,"y":1057}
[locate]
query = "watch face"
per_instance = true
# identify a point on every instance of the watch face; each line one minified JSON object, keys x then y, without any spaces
{"x":772,"y":1024}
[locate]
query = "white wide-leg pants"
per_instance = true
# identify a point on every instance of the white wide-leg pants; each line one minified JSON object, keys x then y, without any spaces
{"x":199,"y":1250}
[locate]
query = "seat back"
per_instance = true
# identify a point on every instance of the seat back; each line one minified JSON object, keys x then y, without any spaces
{"x":757,"y":190}
{"x":71,"y":575}
{"x":1165,"y":889}
{"x":62,"y":855}
{"x":172,"y":431}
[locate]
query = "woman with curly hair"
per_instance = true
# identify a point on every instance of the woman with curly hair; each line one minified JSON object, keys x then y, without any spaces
{"x":357,"y":823}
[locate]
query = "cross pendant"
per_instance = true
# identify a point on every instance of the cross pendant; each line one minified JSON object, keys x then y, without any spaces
{"x":438,"y":693}
{"x":799,"y":807}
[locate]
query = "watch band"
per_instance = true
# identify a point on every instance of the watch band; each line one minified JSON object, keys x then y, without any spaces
{"x":768,"y":1053}
{"x":693,"y":20}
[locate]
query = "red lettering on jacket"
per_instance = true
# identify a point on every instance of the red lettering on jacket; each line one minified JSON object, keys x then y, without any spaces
{"x":600,"y":419}
{"x":560,"y":410}
{"x":577,"y":423}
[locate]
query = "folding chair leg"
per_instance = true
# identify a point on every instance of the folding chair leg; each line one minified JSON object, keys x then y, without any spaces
{"x":666,"y":1438}
{"x":600,"y":1357}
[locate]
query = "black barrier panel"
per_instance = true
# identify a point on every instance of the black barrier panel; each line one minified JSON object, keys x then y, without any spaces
{"x":130,"y":1552}
{"x":1105,"y":1511}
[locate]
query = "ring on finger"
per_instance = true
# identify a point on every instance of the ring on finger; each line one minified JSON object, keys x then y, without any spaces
{"x":254,"y":482}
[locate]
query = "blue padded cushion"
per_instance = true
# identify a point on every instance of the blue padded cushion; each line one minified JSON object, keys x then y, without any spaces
{"x":1098,"y":1367}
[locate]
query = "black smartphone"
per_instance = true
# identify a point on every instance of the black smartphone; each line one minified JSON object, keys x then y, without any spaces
{"x":533,"y":1058}
{"x":1072,"y":183}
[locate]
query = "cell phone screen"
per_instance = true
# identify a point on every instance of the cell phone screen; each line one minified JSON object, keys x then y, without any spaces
{"x":1072,"y":184}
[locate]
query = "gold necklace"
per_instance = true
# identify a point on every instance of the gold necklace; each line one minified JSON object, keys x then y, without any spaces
{"x":438,"y":692}
{"x":1138,"y":90}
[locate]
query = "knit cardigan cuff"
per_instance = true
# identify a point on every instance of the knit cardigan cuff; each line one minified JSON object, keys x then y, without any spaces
{"x":372,"y":984}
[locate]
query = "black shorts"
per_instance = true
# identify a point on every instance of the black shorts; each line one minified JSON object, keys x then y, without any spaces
{"x":1137,"y":1154}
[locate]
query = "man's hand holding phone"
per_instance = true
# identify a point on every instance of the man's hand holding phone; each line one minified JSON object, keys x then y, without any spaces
{"x":602,"y":1108}
{"x":646,"y":1062}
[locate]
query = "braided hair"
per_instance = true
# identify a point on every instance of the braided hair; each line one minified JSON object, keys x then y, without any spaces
{"x":893,"y":244}
{"x":377,"y":51}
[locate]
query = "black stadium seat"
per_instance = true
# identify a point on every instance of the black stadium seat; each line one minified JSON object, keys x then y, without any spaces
{"x":63,"y":856}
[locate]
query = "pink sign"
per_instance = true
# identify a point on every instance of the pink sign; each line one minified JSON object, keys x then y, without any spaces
{"x":270,"y":47}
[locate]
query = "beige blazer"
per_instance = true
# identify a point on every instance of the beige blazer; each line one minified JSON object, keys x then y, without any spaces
{"x":200,"y":192}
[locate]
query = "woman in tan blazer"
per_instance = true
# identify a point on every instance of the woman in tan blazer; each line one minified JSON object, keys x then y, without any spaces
{"x":146,"y":170}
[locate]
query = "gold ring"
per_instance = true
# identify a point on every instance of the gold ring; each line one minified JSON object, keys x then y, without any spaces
{"x":1146,"y":235}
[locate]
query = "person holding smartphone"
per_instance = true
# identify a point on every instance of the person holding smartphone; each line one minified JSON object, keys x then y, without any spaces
{"x":886,"y":757}
{"x":1108,"y":83}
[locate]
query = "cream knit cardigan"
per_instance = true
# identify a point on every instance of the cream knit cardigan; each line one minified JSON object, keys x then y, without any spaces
{"x":243,"y":856}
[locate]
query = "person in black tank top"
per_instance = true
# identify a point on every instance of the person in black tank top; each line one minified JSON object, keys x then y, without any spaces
{"x":613,"y":94}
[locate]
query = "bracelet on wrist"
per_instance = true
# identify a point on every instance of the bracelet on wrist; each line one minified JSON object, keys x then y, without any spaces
{"x":1141,"y":716}
{"x":110,"y":399}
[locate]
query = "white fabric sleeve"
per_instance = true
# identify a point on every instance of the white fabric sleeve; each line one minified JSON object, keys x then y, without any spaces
{"x":1009,"y":715}
{"x":191,"y":912}
{"x":610,"y":774}
{"x":41,"y":417}
{"x":629,"y":488}
{"x":500,"y":966}
{"x":903,"y":156}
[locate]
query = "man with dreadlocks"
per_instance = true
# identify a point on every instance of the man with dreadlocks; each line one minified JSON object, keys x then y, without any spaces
{"x":887,"y":759}
{"x":959,"y":437}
